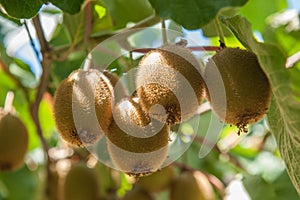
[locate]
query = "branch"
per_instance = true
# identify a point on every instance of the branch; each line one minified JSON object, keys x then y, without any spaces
{"x":197,"y":48}
{"x":46,"y":64}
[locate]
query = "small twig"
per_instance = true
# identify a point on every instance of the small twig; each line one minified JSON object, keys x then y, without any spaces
{"x":232,"y":159}
{"x":164,"y":32}
{"x":200,"y":48}
{"x":292,"y":60}
{"x":220,"y":30}
{"x":88,"y":22}
{"x":8,"y":105}
{"x":37,"y":54}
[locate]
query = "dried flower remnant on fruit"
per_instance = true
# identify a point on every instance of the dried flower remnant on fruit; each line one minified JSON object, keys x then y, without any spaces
{"x":246,"y":90}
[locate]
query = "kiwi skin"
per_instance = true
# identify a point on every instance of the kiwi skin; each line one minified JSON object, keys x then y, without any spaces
{"x":136,"y":145}
{"x":74,"y":97}
{"x":81,"y":183}
{"x":137,"y":194}
{"x":13,"y":142}
{"x":157,"y":181}
{"x":191,"y":186}
{"x":158,"y":83}
{"x":247,"y":88}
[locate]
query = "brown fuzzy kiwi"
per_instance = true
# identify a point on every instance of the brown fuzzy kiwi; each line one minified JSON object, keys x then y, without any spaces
{"x":136,"y":145}
{"x":137,"y":194}
{"x":13,"y":142}
{"x":170,"y":77}
{"x":81,"y":183}
{"x":85,"y":99}
{"x":119,"y":90}
{"x":191,"y":186}
{"x":247,"y":88}
{"x":157,"y":181}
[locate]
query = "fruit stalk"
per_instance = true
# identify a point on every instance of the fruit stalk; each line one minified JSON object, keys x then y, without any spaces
{"x":8,"y":105}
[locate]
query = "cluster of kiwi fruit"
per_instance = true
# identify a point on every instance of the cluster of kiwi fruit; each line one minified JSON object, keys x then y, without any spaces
{"x":13,"y":141}
{"x":170,"y":85}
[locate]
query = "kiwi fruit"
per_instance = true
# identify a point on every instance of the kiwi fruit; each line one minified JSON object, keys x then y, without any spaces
{"x":191,"y":186}
{"x":13,"y":141}
{"x":136,"y":144}
{"x":81,"y":183}
{"x":247,"y":90}
{"x":170,"y":77}
{"x":157,"y":181}
{"x":82,"y":107}
{"x":137,"y":194}
{"x":119,"y":89}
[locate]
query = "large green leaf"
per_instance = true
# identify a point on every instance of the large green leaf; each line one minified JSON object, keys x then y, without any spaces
{"x":192,"y":14}
{"x":69,"y":6}
{"x":256,"y":11}
{"x":123,"y":12}
{"x":284,"y":111}
{"x":21,"y":8}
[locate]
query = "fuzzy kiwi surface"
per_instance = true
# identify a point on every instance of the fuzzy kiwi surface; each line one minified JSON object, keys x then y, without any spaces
{"x":157,"y":181}
{"x":81,"y":183}
{"x":136,"y":145}
{"x":170,"y":77}
{"x":137,"y":194}
{"x":191,"y":186}
{"x":247,"y":90}
{"x":82,"y":107}
{"x":13,"y":142}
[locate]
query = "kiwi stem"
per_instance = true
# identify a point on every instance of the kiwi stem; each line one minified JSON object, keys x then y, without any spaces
{"x":8,"y":105}
{"x":87,"y":64}
{"x":164,"y":32}
{"x":220,"y":30}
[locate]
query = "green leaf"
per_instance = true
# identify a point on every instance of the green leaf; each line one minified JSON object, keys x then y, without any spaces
{"x":256,"y":11}
{"x":75,"y":31}
{"x":192,"y":14}
{"x":284,"y":111}
{"x":101,"y":19}
{"x":21,"y":8}
{"x":280,"y":189}
{"x":69,"y":6}
{"x":210,"y":30}
{"x":14,"y":20}
{"x":21,"y":184}
{"x":123,"y":12}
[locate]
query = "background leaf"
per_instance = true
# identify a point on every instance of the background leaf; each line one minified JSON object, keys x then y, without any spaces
{"x":68,"y":6}
{"x":22,"y":8}
{"x":284,"y":111}
{"x":192,"y":14}
{"x":123,"y":12}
